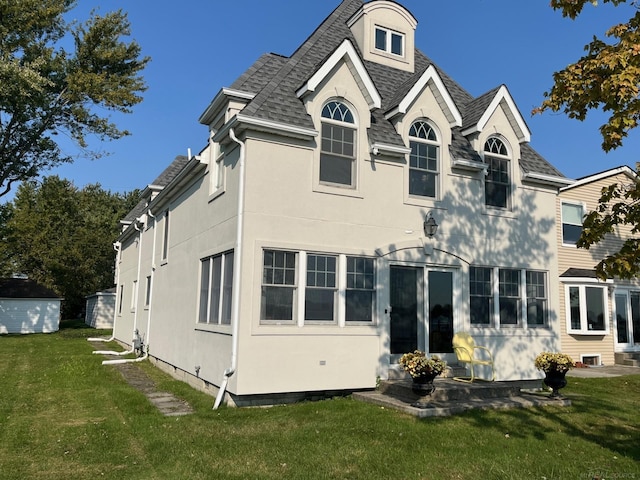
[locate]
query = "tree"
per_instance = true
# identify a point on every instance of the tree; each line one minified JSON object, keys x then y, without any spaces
{"x":62,"y":237}
{"x":46,"y":91}
{"x":607,"y":78}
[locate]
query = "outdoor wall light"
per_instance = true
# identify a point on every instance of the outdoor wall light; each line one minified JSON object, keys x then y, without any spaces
{"x":430,"y":226}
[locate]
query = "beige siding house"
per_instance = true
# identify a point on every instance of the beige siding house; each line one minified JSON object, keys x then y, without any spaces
{"x":353,"y":203}
{"x":598,"y":318}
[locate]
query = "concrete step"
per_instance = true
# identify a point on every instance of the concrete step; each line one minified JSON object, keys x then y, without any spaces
{"x":449,"y":390}
{"x":627,"y":358}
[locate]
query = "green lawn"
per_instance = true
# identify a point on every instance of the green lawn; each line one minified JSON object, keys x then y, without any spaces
{"x":65,"y":416}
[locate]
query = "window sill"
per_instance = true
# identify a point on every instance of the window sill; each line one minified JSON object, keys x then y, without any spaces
{"x":491,"y":212}
{"x":596,"y":333}
{"x":215,"y":194}
{"x":335,"y":190}
{"x":206,"y":327}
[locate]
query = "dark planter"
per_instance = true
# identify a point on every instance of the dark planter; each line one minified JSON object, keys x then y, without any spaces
{"x":555,"y":381}
{"x":423,"y":385}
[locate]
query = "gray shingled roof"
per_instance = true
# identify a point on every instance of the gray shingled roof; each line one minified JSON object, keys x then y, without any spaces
{"x":162,"y":180}
{"x":276,"y":79}
{"x":24,"y":288}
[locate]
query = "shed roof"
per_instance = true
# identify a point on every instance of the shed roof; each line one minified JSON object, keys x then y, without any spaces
{"x":24,"y":288}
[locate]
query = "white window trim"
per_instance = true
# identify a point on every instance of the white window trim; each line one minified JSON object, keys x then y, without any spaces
{"x":134,"y":295}
{"x":164,"y":253}
{"x":218,"y":176}
{"x":575,"y":203}
{"x":300,"y":287}
{"x":413,"y":199}
{"x":388,"y":43}
{"x":221,"y":297}
{"x":597,"y":355}
{"x":509,"y":158}
{"x":523,"y":324}
{"x":584,"y":329}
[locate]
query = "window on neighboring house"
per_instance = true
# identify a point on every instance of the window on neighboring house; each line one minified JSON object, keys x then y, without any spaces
{"x":497,"y":185}
{"x":586,"y":308}
{"x":423,"y":160}
{"x":360,"y":291}
{"x":572,"y":215}
{"x":506,"y":304}
{"x":320,"y":294}
{"x":481,"y":295}
{"x":389,"y":41}
{"x":147,"y":291}
{"x":216,"y":280}
{"x":278,"y":286}
{"x":338,"y":149}
{"x":165,"y":236}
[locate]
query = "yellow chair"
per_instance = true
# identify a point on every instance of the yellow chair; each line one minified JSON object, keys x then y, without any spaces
{"x":465,"y":349}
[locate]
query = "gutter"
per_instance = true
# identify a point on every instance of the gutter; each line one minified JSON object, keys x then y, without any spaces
{"x":235,"y":317}
{"x":117,"y":246}
{"x":135,"y":339}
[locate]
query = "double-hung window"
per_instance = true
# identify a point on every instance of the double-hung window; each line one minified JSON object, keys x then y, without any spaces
{"x":312,"y":288}
{"x":572,"y":214}
{"x":507,"y":297}
{"x":320,"y":294}
{"x":423,"y":160}
{"x":389,"y":41}
{"x":586,"y":307}
{"x":278,"y":286}
{"x":165,"y":236}
{"x":360,"y":289}
{"x":338,"y":145}
{"x":216,"y":280}
{"x":497,"y":184}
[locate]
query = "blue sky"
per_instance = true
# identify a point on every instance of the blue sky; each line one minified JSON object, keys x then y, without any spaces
{"x":200,"y":46}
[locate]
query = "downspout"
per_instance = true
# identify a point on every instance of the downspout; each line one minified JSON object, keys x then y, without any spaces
{"x":235,"y":317}
{"x":117,"y":246}
{"x":135,"y":313}
{"x":145,"y":355}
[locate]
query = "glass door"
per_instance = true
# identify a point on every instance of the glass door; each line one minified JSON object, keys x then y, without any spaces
{"x":440,"y":309}
{"x":627,"y":320}
{"x":404,"y":302}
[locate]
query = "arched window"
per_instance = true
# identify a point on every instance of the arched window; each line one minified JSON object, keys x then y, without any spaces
{"x":338,"y":147}
{"x":424,"y":160}
{"x":497,"y":184}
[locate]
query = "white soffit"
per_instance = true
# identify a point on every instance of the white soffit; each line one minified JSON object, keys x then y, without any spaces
{"x":441,"y":93}
{"x":347,"y":50}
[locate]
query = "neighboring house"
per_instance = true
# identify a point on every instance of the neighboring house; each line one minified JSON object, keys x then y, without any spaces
{"x":27,"y":307}
{"x":598,"y":318}
{"x":101,"y":309}
{"x":297,"y":252}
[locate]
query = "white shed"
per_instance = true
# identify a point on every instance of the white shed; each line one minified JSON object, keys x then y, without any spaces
{"x":100,"y":309}
{"x":27,"y":307}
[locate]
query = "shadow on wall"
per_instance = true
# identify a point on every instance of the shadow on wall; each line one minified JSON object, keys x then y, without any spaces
{"x":520,"y":238}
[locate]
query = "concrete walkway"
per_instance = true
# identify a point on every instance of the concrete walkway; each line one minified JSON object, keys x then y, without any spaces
{"x":603,"y":372}
{"x":168,"y":404}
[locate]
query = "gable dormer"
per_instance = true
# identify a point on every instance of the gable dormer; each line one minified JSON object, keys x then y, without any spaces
{"x":385,"y":31}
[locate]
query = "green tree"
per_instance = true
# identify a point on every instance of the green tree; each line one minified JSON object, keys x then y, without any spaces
{"x":607,"y":78}
{"x":47,"y":89}
{"x":62,"y":237}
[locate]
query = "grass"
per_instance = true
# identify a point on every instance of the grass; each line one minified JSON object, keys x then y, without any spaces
{"x":64,"y":415}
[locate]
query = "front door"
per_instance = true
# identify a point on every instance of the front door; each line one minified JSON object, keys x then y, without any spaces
{"x":422,"y":310}
{"x":627,"y":320}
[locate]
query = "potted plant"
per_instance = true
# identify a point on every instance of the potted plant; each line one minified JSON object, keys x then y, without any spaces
{"x":555,"y":366}
{"x":423,"y":370}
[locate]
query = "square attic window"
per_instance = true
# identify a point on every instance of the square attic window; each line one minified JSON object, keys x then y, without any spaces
{"x":389,"y":41}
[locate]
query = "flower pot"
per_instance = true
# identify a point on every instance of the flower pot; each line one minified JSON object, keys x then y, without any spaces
{"x":555,"y":381}
{"x":423,"y":384}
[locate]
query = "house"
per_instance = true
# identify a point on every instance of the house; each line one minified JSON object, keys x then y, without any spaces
{"x":27,"y":307}
{"x":353,"y":203}
{"x":599,"y":319}
{"x":101,"y":309}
